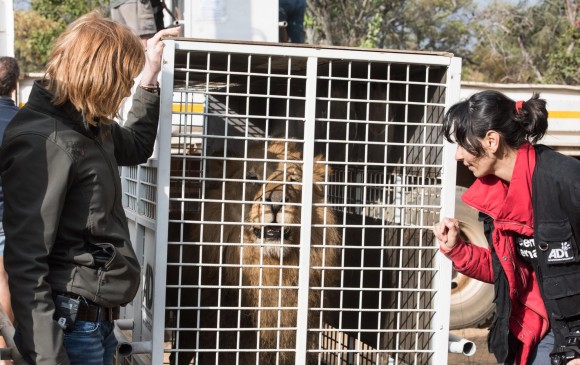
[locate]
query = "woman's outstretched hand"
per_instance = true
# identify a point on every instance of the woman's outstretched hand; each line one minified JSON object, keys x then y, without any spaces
{"x":447,"y":232}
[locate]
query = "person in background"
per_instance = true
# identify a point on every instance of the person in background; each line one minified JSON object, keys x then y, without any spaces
{"x":292,"y":12}
{"x":68,"y":252}
{"x":9,"y":73}
{"x":143,"y":17}
{"x":532,"y":195}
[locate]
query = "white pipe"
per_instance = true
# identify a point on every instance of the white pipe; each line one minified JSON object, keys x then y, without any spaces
{"x":126,"y":347}
{"x":125,"y":323}
{"x":132,"y":348}
{"x":460,"y":345}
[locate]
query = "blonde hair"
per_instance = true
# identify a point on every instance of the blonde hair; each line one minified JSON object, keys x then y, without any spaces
{"x":93,"y":65}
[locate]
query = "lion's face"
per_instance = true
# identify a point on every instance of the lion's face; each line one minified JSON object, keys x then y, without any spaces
{"x":262,"y":195}
{"x":275,"y":213}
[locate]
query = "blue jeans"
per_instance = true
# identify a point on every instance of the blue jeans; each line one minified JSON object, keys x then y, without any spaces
{"x":91,"y":343}
{"x":292,"y":11}
{"x":541,"y":354}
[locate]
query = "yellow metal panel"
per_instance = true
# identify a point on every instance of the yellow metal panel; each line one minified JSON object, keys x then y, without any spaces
{"x":563,"y":114}
{"x":187,"y":108}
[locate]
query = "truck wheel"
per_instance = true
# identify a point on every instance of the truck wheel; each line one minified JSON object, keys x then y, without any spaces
{"x":471,"y":300}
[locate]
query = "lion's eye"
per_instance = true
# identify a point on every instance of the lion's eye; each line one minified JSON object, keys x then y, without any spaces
{"x":252,"y":176}
{"x":293,"y":178}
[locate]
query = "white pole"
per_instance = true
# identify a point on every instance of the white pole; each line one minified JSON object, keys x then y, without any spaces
{"x":6,"y":28}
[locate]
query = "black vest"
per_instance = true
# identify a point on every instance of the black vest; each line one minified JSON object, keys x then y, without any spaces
{"x":556,"y":204}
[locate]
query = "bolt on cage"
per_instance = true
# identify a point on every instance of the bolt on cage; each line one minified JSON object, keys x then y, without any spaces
{"x":285,"y":217}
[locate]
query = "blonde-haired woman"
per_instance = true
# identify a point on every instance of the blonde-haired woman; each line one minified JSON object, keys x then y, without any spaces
{"x":67,"y":240}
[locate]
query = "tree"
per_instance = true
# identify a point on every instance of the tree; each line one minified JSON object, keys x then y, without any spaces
{"x":435,"y":25}
{"x":66,"y":11}
{"x":33,"y":38}
{"x":527,"y":44}
{"x":564,"y":62}
{"x":37,"y":29}
{"x":347,"y":23}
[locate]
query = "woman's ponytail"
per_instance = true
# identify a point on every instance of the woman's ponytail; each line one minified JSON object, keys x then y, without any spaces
{"x":532,"y":116}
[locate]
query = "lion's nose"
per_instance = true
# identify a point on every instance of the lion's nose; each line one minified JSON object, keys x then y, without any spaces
{"x":275,"y":196}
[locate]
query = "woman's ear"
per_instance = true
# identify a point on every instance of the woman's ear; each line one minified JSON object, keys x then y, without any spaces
{"x":492,"y":141}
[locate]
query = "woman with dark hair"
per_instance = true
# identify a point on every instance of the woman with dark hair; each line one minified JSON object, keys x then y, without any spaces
{"x":532,"y":195}
{"x":69,"y":256}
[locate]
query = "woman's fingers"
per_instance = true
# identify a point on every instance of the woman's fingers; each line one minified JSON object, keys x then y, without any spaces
{"x":439,"y":230}
{"x":153,"y":54}
{"x":452,"y":225}
{"x":447,"y":232}
{"x":157,"y":40}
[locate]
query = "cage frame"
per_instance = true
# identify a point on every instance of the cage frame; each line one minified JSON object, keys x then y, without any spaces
{"x":143,"y":227}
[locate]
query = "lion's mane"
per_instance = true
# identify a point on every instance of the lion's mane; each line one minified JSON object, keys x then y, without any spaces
{"x":249,"y":291}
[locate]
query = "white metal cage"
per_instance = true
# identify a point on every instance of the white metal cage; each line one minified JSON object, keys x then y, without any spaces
{"x":286,"y":216}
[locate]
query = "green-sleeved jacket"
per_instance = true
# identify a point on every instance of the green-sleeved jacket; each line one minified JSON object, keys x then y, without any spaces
{"x":63,"y":208}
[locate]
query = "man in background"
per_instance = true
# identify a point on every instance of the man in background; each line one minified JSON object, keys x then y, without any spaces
{"x":292,"y":12}
{"x":143,"y":17}
{"x":9,"y":73}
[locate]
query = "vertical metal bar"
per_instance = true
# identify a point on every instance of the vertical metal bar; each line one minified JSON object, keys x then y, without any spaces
{"x":163,"y":177}
{"x":306,"y":215}
{"x":442,"y":297}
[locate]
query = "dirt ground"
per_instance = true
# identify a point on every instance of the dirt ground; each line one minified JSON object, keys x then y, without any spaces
{"x":481,"y":356}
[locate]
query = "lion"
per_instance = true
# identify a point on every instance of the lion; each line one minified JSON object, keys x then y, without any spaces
{"x":248,"y":252}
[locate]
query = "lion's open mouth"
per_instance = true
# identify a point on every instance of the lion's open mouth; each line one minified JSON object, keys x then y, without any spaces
{"x":272,"y":232}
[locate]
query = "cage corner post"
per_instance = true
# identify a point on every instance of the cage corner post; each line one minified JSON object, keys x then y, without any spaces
{"x":163,"y":180}
{"x":444,"y":267}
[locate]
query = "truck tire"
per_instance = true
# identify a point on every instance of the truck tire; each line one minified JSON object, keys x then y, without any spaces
{"x":471,"y":300}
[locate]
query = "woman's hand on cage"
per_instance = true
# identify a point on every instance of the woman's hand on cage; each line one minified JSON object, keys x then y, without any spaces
{"x":153,"y":54}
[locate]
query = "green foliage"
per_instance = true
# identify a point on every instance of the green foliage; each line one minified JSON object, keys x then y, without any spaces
{"x":526,"y":44}
{"x":66,"y":11}
{"x":531,"y":42}
{"x":437,"y":25}
{"x":34,"y":36}
{"x":373,"y":33}
{"x":564,"y":62}
{"x":36,"y":30}
{"x":349,"y":23}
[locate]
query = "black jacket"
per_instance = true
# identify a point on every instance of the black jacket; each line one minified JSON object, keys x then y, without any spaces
{"x":556,"y":202}
{"x":65,"y":226}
